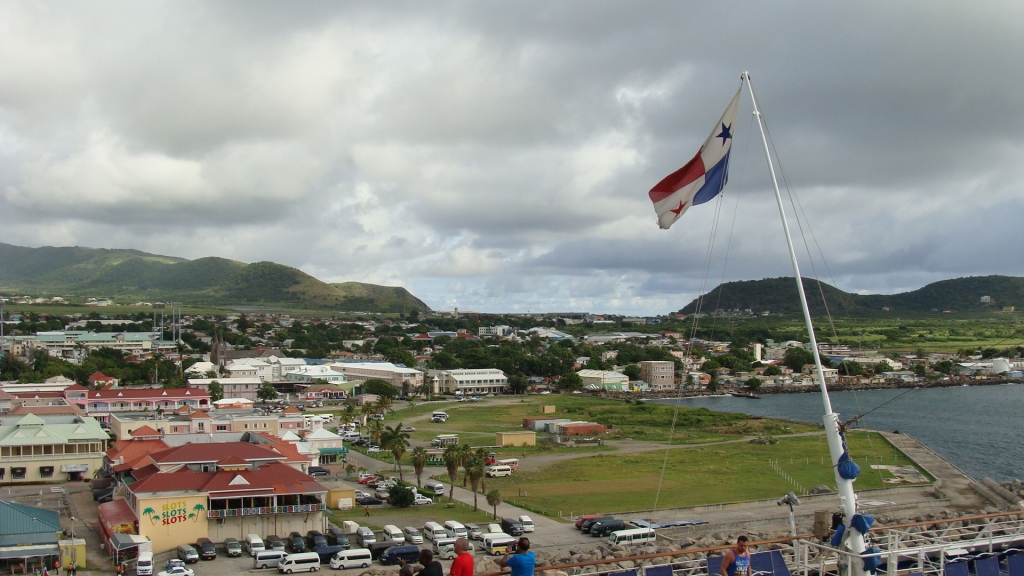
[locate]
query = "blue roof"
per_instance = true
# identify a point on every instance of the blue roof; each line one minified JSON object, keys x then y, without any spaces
{"x":27,"y":524}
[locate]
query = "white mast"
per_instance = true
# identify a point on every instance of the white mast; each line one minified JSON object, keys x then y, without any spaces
{"x":854,"y":541}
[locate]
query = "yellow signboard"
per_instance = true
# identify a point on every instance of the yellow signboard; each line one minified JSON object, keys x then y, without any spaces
{"x":170,"y":522}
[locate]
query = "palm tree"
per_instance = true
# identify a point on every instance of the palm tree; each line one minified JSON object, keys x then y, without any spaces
{"x":494,"y":498}
{"x":349,"y":469}
{"x":452,"y":461}
{"x":465,"y":456}
{"x":376,"y":428}
{"x":419,"y":462}
{"x":396,"y":441}
{"x":383,"y":404}
{"x":350,"y":411}
{"x":475,"y":473}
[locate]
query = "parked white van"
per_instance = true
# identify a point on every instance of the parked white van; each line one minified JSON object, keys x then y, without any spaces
{"x":393,"y":534}
{"x":432,"y":531}
{"x":498,"y":471}
{"x":356,"y":558}
{"x":455,"y":529}
{"x":434,"y":486}
{"x":365,"y":536}
{"x":253,"y":544}
{"x":498,"y":544}
{"x":527,"y":523}
{"x":144,"y":564}
{"x":301,"y":562}
{"x":633,"y":536}
{"x":267,"y":558}
{"x":446,"y":550}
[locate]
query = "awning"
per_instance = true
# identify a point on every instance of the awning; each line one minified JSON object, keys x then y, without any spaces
{"x":29,"y":551}
{"x":124,"y":541}
{"x":343,"y":450}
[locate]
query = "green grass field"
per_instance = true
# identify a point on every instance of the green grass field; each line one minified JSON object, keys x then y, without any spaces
{"x":476,"y":423}
{"x":693,"y":476}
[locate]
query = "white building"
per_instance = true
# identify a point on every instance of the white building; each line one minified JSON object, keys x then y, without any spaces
{"x":470,"y":381}
{"x":316,"y":374}
{"x":396,"y":375}
{"x":494,"y":331}
{"x":232,"y":387}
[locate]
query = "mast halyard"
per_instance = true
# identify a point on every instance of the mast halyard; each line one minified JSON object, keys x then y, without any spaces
{"x":854,"y":541}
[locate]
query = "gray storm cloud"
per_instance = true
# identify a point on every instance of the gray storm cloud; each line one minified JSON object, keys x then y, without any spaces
{"x":498,"y":155}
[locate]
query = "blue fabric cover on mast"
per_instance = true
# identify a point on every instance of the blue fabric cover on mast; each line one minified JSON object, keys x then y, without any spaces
{"x":862,"y":523}
{"x":848,"y":469}
{"x":837,"y":538}
{"x":871,"y":563}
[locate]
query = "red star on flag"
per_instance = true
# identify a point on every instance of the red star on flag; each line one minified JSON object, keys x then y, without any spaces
{"x":678,"y":209}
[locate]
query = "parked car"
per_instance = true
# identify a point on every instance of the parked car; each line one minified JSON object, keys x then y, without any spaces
{"x":511,"y":526}
{"x":318,"y":471}
{"x":377,"y":416}
{"x":173,"y":562}
{"x":178,"y":571}
{"x":382,"y":493}
{"x":232,"y":547}
{"x":408,"y":429}
{"x":373,"y":450}
{"x":475,"y":532}
{"x":275,"y":543}
{"x":412,"y":535}
{"x":296,"y":543}
{"x":361,"y":494}
{"x":337,"y":537}
{"x":367,"y":479}
{"x":207,"y":551}
{"x":370,"y":501}
{"x":314,"y":538}
{"x":421,"y":500}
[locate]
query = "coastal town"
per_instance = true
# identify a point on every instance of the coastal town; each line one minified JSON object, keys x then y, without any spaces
{"x":218,"y":427}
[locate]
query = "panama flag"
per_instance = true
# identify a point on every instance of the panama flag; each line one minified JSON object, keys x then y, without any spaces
{"x":702,"y":178}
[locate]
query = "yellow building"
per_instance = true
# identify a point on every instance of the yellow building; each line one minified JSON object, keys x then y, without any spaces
{"x":222,"y":490}
{"x":50,"y":448}
{"x":515,"y":439}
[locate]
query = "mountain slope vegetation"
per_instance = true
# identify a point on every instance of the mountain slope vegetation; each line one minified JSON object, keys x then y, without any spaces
{"x":77,"y":272}
{"x":779,"y":295}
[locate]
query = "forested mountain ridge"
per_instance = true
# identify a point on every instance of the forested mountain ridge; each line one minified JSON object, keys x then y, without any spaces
{"x":779,"y":295}
{"x":78,"y":272}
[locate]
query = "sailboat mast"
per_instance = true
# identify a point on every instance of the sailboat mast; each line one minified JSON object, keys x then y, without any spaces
{"x":854,"y":540}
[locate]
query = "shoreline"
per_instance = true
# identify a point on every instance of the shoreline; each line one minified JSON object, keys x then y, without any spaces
{"x":675,"y":394}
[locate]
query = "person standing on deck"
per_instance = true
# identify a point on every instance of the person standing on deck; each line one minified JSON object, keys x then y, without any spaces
{"x":737,"y":560}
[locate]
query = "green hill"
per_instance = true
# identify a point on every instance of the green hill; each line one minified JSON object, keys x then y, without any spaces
{"x":76,"y":273}
{"x":779,"y":295}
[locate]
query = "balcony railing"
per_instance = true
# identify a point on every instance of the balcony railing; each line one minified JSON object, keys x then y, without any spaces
{"x":297,"y":509}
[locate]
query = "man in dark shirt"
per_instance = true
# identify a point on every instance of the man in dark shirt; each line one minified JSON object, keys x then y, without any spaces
{"x":430,"y":567}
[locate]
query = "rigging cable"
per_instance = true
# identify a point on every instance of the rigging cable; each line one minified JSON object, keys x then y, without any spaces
{"x":697,"y":312}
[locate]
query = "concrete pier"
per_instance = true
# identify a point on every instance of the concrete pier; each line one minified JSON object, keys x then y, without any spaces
{"x":952,"y":482}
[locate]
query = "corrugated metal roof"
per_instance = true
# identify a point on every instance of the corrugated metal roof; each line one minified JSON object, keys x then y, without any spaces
{"x":20,"y":521}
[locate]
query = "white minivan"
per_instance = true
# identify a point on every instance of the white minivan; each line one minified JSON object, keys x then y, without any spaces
{"x":144,"y":564}
{"x":301,"y":562}
{"x":455,"y":529}
{"x":355,"y":558}
{"x":267,"y":558}
{"x":527,"y":523}
{"x":498,"y":471}
{"x":432,"y":531}
{"x":394,"y":534}
{"x":253,"y":544}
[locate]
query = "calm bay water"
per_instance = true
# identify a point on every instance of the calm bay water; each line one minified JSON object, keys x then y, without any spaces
{"x":979,"y":429}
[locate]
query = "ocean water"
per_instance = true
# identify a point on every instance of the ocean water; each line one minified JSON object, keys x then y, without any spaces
{"x":979,"y":429}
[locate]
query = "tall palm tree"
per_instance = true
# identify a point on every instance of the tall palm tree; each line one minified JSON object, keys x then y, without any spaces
{"x":350,"y":411}
{"x":349,"y":469}
{"x":465,"y":456}
{"x":395,"y":441}
{"x":419,"y":462}
{"x":494,"y":498}
{"x":376,"y":428}
{"x":452,"y":461}
{"x":475,"y":473}
{"x":383,"y":404}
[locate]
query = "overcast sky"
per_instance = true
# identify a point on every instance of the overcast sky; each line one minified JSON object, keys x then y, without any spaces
{"x":496,"y":156}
